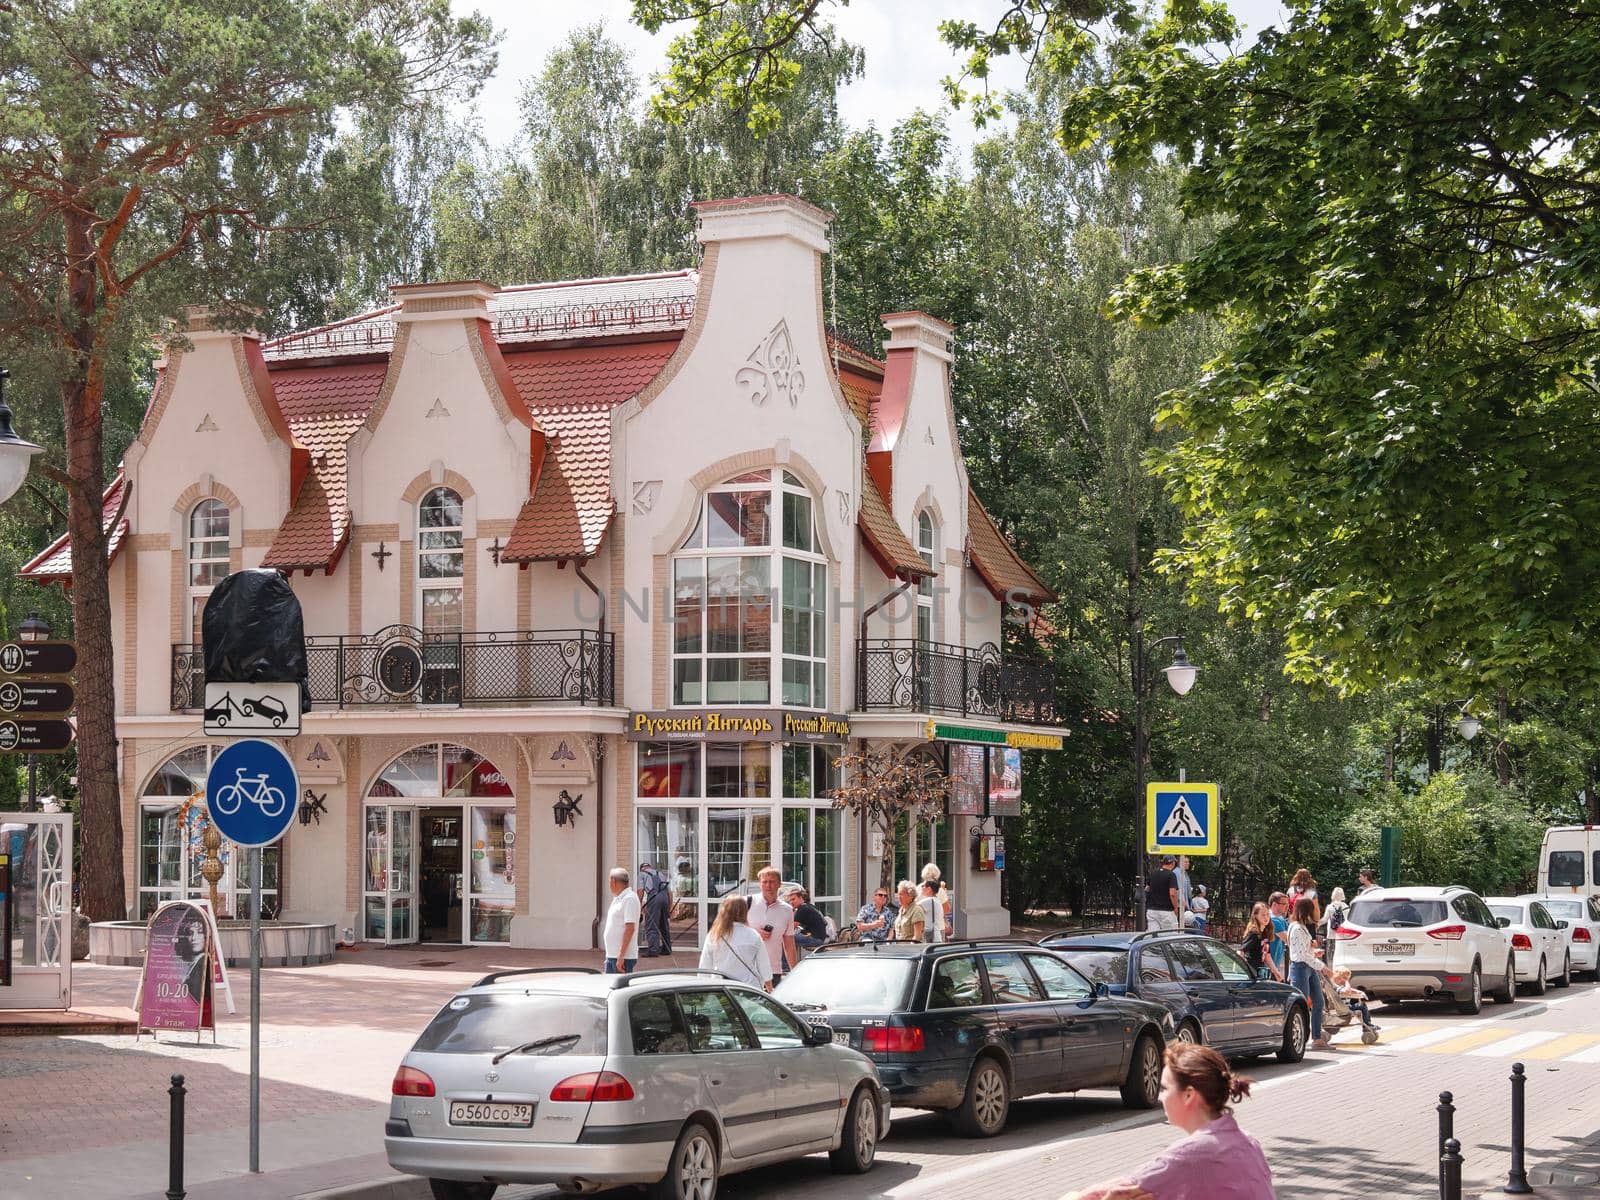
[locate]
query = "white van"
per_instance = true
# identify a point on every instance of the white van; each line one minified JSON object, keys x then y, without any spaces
{"x":1569,"y":860}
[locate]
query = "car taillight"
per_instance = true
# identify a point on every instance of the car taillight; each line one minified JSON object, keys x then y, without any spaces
{"x":1449,"y":933}
{"x":1519,"y":941}
{"x":408,"y":1081}
{"x":1346,"y":933}
{"x":1580,"y":934}
{"x":595,"y":1085}
{"x":881,"y":1039}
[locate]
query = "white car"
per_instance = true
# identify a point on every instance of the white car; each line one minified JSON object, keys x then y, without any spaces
{"x":1427,"y":943}
{"x":1539,"y":944}
{"x":1582,"y":915}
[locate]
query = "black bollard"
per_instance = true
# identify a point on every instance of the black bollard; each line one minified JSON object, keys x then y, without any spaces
{"x":1450,"y":1171}
{"x":175,"y":1141}
{"x":1447,"y":1128}
{"x":1517,"y":1178}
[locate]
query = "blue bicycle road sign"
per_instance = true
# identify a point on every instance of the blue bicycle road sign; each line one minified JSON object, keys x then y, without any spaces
{"x":251,"y":792}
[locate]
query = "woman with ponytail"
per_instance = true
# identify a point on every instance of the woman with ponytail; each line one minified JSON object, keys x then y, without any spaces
{"x":1215,"y":1160}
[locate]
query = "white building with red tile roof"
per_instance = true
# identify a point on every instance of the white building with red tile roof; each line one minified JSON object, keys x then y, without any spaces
{"x":656,"y":545}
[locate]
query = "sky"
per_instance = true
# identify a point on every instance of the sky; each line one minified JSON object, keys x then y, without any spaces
{"x":905,"y":60}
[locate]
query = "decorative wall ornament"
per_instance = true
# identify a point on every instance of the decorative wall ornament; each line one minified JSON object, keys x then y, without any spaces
{"x":438,"y":410}
{"x":563,"y":752}
{"x":318,"y":754}
{"x":645,"y":493}
{"x":382,"y":554}
{"x":771,"y":369}
{"x":495,"y":548}
{"x":844,"y":507}
{"x":207,"y":425}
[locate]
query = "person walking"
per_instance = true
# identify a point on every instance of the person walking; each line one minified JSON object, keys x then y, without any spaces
{"x":1215,"y":1159}
{"x":655,"y":938}
{"x":1304,"y":885}
{"x":1161,"y":909}
{"x":911,"y":923}
{"x":1333,"y":919}
{"x":1199,"y":908}
{"x":774,"y":921}
{"x":875,"y":921}
{"x":1185,"y":885}
{"x":1305,"y":968}
{"x":1278,"y":910}
{"x":932,"y":911}
{"x":1259,"y":937}
{"x":931,"y":871}
{"x":620,"y":938}
{"x":735,"y":949}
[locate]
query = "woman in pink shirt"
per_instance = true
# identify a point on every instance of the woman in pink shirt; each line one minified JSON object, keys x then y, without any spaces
{"x":1216,"y":1160}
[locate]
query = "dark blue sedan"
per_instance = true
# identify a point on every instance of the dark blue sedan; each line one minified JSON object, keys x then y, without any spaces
{"x":1212,"y":995}
{"x":966,"y":1027}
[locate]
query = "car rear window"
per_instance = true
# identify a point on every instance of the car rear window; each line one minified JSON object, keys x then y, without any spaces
{"x":1397,"y":913}
{"x":1507,"y":910}
{"x":1567,"y":910}
{"x":1566,"y":868}
{"x":490,"y":1022}
{"x":848,"y":981}
{"x":1101,"y":966}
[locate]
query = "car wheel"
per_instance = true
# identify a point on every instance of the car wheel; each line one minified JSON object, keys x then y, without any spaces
{"x":1540,"y":984}
{"x":1295,"y":1031}
{"x":1473,"y":1004}
{"x":1565,"y":978}
{"x":1142,"y":1087}
{"x":1191,"y":1033}
{"x":692,"y":1169}
{"x":858,"y":1144}
{"x":455,"y":1189}
{"x":987,"y":1103}
{"x":1506,"y":993}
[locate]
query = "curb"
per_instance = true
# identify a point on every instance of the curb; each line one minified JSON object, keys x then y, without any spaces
{"x":396,"y":1187}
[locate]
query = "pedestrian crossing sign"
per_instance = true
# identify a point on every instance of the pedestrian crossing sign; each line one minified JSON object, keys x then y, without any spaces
{"x":1183,"y":818}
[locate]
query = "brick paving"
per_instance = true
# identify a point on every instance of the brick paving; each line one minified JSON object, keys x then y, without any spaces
{"x":86,"y":1115}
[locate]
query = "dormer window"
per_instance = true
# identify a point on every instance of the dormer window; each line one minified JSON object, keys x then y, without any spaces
{"x":724,"y":603}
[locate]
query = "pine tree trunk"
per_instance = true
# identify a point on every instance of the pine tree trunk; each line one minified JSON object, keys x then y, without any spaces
{"x":99,"y":803}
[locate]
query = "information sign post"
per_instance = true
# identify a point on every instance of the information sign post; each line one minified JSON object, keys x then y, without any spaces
{"x":249,"y":794}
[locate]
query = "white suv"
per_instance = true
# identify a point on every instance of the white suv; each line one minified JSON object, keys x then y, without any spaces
{"x":1427,"y":943}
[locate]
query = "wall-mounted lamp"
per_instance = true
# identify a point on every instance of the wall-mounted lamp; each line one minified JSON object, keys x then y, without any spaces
{"x":566,"y":808}
{"x":313,"y":807}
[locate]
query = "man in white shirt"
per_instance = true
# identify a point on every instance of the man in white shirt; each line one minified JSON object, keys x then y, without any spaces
{"x":774,"y":921}
{"x":622,"y":925}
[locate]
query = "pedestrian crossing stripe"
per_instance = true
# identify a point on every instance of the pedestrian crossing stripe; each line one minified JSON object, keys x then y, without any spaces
{"x":1495,"y":1041}
{"x":1515,"y":1045}
{"x":1564,"y":1045}
{"x":1467,"y":1041}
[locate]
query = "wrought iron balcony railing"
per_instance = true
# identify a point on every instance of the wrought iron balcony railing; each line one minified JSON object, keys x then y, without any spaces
{"x":400,"y":665}
{"x":907,"y":675}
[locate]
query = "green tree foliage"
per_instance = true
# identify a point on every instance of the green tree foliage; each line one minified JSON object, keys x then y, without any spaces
{"x":154,"y":155}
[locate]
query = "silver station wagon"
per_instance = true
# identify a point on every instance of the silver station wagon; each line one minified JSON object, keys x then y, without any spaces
{"x":668,"y":1079}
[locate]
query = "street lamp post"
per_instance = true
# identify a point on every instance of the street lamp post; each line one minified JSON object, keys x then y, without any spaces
{"x":16,"y":454}
{"x":33,"y":629}
{"x":1180,"y":676}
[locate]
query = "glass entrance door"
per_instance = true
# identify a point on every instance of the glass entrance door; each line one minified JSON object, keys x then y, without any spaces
{"x":389,"y":872}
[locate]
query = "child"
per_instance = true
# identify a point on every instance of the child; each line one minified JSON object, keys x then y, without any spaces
{"x":1356,"y":999}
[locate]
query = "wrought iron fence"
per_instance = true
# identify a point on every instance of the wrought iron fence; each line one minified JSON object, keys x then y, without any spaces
{"x":401,"y":665}
{"x":931,"y":677}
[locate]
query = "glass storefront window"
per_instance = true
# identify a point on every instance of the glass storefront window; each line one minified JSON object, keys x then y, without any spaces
{"x":414,"y":773}
{"x":669,"y":840}
{"x":494,"y":878}
{"x":738,"y":844}
{"x":668,"y":769}
{"x":738,"y":770}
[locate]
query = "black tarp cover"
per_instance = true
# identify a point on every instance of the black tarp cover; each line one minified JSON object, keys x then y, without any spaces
{"x":252,"y":632}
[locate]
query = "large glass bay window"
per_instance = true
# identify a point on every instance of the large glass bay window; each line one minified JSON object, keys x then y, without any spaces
{"x":733,"y":580}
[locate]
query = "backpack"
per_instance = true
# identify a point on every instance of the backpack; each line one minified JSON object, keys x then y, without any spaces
{"x":1336,"y":918}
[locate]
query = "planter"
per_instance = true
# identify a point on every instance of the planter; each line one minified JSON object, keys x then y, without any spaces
{"x":283,"y":943}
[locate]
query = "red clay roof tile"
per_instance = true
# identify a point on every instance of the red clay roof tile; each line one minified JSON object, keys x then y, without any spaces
{"x":53,"y":564}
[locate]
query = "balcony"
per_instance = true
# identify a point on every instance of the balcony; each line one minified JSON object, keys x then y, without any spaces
{"x":400,"y":666}
{"x":905,"y":675}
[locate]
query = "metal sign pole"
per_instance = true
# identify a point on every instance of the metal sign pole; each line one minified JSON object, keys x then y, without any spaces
{"x":255,"y":1010}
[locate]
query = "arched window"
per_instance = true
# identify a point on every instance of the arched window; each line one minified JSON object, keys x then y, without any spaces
{"x":208,"y":556}
{"x":441,"y":564}
{"x":733,"y":579}
{"x":170,"y":850}
{"x":928,"y":547}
